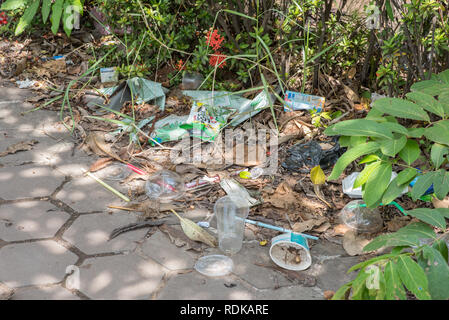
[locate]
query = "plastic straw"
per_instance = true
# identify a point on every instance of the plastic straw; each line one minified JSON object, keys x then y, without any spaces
{"x":397,"y":205}
{"x":104,"y":184}
{"x":269,"y":226}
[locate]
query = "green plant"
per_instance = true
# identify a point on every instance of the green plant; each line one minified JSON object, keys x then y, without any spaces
{"x":387,"y":144}
{"x":64,"y":11}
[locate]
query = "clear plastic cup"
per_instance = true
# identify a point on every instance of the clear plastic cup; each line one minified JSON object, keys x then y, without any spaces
{"x":192,"y":80}
{"x":231,"y":212}
{"x":165,"y":186}
{"x":360,"y":218}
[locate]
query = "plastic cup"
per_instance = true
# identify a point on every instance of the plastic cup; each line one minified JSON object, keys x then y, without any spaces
{"x":231,"y":212}
{"x":290,"y":251}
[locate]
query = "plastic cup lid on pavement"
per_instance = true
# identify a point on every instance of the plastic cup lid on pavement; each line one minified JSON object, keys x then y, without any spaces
{"x":214,"y":265}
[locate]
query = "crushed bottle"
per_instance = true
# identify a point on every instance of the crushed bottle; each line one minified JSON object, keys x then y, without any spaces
{"x":165,"y":186}
{"x":360,"y":218}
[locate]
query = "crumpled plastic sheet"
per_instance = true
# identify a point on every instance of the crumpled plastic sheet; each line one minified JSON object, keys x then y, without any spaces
{"x":305,"y":156}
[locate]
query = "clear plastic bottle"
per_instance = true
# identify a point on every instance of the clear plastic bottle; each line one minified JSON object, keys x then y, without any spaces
{"x":360,"y":218}
{"x":165,"y":186}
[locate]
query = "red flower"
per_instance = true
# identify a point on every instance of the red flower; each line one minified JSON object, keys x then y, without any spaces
{"x":180,"y":65}
{"x":3,"y":18}
{"x":214,"y":40}
{"x":217,"y":59}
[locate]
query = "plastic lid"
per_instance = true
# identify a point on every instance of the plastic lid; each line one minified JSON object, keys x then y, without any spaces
{"x":115,"y":172}
{"x":360,"y":218}
{"x":214,"y":265}
{"x":164,"y":186}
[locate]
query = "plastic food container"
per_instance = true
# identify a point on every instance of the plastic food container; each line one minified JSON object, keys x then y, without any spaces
{"x":290,"y":251}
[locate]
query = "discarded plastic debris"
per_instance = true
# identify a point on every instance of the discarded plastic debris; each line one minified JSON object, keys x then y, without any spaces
{"x":214,"y":265}
{"x":301,"y":101}
{"x":254,"y":173}
{"x":169,"y":129}
{"x":290,"y":251}
{"x":360,"y":218}
{"x":231,"y":212}
{"x":203,"y":224}
{"x":252,"y":107}
{"x":372,"y":20}
{"x":269,"y":226}
{"x":165,"y":186}
{"x":108,"y":75}
{"x":25,"y":84}
{"x":104,"y":184}
{"x":115,"y":172}
{"x":138,"y":89}
{"x":348,"y":184}
{"x":232,"y":187}
{"x":195,"y":232}
{"x":204,"y":180}
{"x":428,"y":191}
{"x":303,"y":157}
{"x":192,"y":80}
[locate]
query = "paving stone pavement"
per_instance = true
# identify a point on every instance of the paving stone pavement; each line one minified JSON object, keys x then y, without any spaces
{"x":54,"y":227}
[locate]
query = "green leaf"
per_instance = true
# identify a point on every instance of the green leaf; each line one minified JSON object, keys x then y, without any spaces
{"x":27,"y":17}
{"x":401,"y":108}
{"x":431,"y":87}
{"x":393,"y":191}
{"x":441,"y":246}
{"x":13,"y":4}
{"x":406,"y":175}
{"x":356,"y":140}
{"x":413,"y":276}
{"x":46,"y":6}
{"x":422,"y":184}
{"x":436,"y":270}
{"x":427,"y":102}
{"x":359,"y":286}
{"x":415,"y":132}
{"x":439,"y":132}
{"x":340,"y":294}
{"x":369,"y":158}
{"x":441,"y":184}
{"x":410,"y":152}
{"x":344,"y":141}
{"x":56,"y":14}
{"x":391,"y":147}
{"x":359,"y":127}
{"x":392,"y":239}
{"x":394,"y":290}
{"x":396,"y":127}
{"x":364,"y":264}
{"x":417,"y":229}
{"x":366,"y":172}
{"x":444,"y":76}
{"x":376,"y":184}
{"x":430,"y":216}
{"x":389,"y":10}
{"x":351,"y":155}
{"x":437,"y":154}
{"x":444,"y":212}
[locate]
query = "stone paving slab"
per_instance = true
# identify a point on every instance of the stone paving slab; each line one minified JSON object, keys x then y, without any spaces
{"x":30,"y":220}
{"x":90,"y":233}
{"x":31,"y":180}
{"x":35,"y":263}
{"x":122,"y":277}
{"x":56,"y":292}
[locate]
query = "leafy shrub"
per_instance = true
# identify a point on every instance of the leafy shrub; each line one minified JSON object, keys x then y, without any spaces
{"x":385,"y":142}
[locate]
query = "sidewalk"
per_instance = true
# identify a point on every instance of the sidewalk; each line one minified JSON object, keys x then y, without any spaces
{"x":53,"y":218}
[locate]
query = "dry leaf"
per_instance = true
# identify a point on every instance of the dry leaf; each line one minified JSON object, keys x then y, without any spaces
{"x":100,"y":164}
{"x":440,"y":203}
{"x":195,"y":232}
{"x":352,"y":72}
{"x":21,"y":146}
{"x":308,"y":225}
{"x":95,"y":141}
{"x":55,"y":66}
{"x":179,"y":238}
{"x":353,"y":243}
{"x":328,"y":294}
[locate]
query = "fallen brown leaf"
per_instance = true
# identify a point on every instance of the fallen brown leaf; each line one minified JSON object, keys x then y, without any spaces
{"x":328,"y":294}
{"x":354,"y":243}
{"x":21,"y":146}
{"x":308,"y":225}
{"x":100,"y":164}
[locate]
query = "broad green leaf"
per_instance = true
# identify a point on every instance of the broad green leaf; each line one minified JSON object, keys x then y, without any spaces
{"x":396,"y":127}
{"x":444,"y":76}
{"x":439,"y":132}
{"x":369,"y":158}
{"x":364,"y":264}
{"x":46,"y":6}
{"x":394,"y":290}
{"x":356,"y":140}
{"x":27,"y":17}
{"x":376,"y":184}
{"x":351,"y":155}
{"x":422,"y":184}
{"x":391,"y":147}
{"x":13,"y":4}
{"x":375,"y":115}
{"x":393,"y":191}
{"x":365,"y":174}
{"x":317,"y":176}
{"x":401,"y":108}
{"x":437,"y":271}
{"x":340,"y":294}
{"x":389,"y":10}
{"x":406,"y":175}
{"x":359,"y":286}
{"x":410,"y":152}
{"x":359,"y":127}
{"x":441,"y":246}
{"x":437,"y":154}
{"x":430,"y":216}
{"x":344,"y":141}
{"x":413,"y":277}
{"x":392,"y":239}
{"x":431,"y":87}
{"x":427,"y":102}
{"x":415,"y":132}
{"x":444,"y":212}
{"x":443,"y":98}
{"x":56,"y":14}
{"x":441,"y":184}
{"x":418,"y":229}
